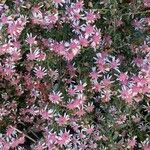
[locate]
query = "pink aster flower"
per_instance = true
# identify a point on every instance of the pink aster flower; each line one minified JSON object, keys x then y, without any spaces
{"x":89,"y":107}
{"x":77,"y":102}
{"x":121,"y":119}
{"x":138,"y":24}
{"x":114,"y":63}
{"x":138,"y":61}
{"x":93,"y":146}
{"x":80,"y":87}
{"x":80,"y":112}
{"x":62,"y":120}
{"x":16,"y":44}
{"x":88,"y":29}
{"x":145,"y":48}
{"x":51,"y":137}
{"x":123,"y":78}
{"x":40,"y":72}
{"x":147,"y":107}
{"x":46,"y":114}
{"x":127,"y":95}
{"x":96,"y":39}
{"x":106,"y":95}
{"x":78,"y":5}
{"x":131,"y":143}
{"x":83,"y":41}
{"x":41,"y":56}
{"x":146,"y":3}
{"x":30,"y":39}
{"x":147,"y":20}
{"x":40,"y":146}
{"x":6,"y":19}
{"x":90,"y":16}
{"x":89,"y":129}
{"x":9,"y":70}
{"x":71,"y":91}
{"x":97,"y":87}
{"x":51,"y":18}
{"x":119,"y":23}
{"x":76,"y":16}
{"x":64,"y":138}
{"x":15,"y":54}
{"x":74,"y":46}
{"x":69,"y":56}
{"x":146,"y":148}
{"x":58,"y":48}
{"x":106,"y":82}
{"x":15,"y":28}
{"x":37,"y":16}
{"x":55,"y":97}
{"x":94,"y":74}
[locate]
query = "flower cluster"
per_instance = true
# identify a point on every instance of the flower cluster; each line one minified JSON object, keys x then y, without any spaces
{"x":74,"y":75}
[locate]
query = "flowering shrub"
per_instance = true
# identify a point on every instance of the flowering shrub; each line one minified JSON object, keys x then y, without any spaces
{"x":74,"y":75}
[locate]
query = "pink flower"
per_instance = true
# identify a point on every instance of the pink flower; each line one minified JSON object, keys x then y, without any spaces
{"x":146,"y":148}
{"x":114,"y":63}
{"x":146,"y":3}
{"x":47,"y":114}
{"x":89,"y":107}
{"x":145,"y":48}
{"x":71,"y":91}
{"x":90,"y":16}
{"x":123,"y":78}
{"x":74,"y":47}
{"x":78,"y":5}
{"x":138,"y":61}
{"x":119,"y":23}
{"x":106,"y":82}
{"x":106,"y":95}
{"x":6,"y":19}
{"x":83,"y":41}
{"x":62,"y":120}
{"x":52,"y":138}
{"x":97,"y":86}
{"x":94,"y":74}
{"x":40,"y":72}
{"x":96,"y":39}
{"x":15,"y":28}
{"x":37,"y":17}
{"x":88,"y":29}
{"x":40,"y":146}
{"x":15,"y":54}
{"x":42,"y":56}
{"x":64,"y":138}
{"x":58,"y":48}
{"x":138,"y":24}
{"x":90,"y":129}
{"x":69,"y":56}
{"x":147,"y":107}
{"x":51,"y":18}
{"x":81,"y":87}
{"x":10,"y":131}
{"x":80,"y":112}
{"x":55,"y":97}
{"x":131,"y":143}
{"x":127,"y":95}
{"x":121,"y":119}
{"x":76,"y":103}
{"x":31,"y":40}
